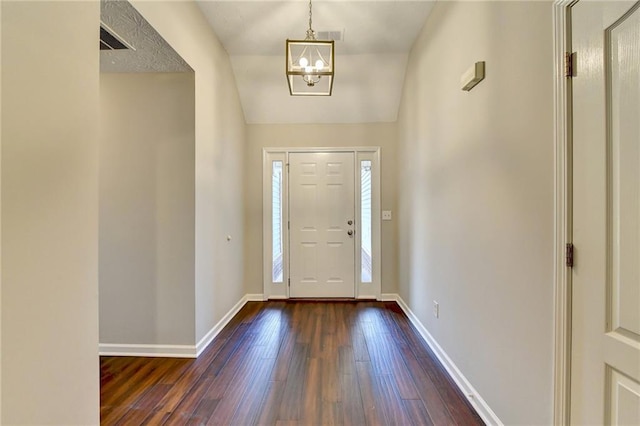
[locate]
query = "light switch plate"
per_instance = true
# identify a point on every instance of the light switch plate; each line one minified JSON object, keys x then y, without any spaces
{"x":386,"y":214}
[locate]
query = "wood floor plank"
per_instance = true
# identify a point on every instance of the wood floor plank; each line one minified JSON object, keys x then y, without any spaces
{"x":189,"y":404}
{"x":203,"y":411}
{"x":227,"y":351}
{"x":252,"y":311}
{"x":294,"y":386}
{"x":292,"y":363}
{"x":390,"y":402}
{"x":370,"y":402}
{"x":249,"y":411}
{"x":128,"y":377}
{"x":352,"y":404}
{"x":452,"y":397}
{"x":387,"y":360}
{"x":436,"y":407}
{"x":134,"y":416}
{"x":270,"y":407}
{"x":184,"y":379}
{"x":331,"y":414}
{"x":312,"y":393}
{"x":360,"y":350}
{"x":330,"y":389}
{"x":346,"y":361}
{"x":417,"y":412}
{"x":283,"y":359}
{"x":149,"y":399}
{"x":151,"y":372}
{"x":252,"y":370}
{"x":156,"y":418}
{"x":176,"y":370}
{"x":226,"y":376}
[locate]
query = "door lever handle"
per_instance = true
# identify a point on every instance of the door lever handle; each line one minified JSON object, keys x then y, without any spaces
{"x":350,"y":232}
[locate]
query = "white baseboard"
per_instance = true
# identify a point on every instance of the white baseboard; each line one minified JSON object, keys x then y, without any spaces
{"x":389,"y":297}
{"x":255,"y":297}
{"x":474,"y":398}
{"x":177,"y":351}
{"x":164,"y":351}
{"x":216,"y":329}
{"x":365,"y":297}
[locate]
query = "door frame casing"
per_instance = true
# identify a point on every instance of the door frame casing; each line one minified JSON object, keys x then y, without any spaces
{"x":273,"y":290}
{"x":562,"y":211}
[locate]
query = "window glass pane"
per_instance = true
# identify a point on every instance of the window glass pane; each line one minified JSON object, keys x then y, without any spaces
{"x":276,"y":215}
{"x":365,"y":221}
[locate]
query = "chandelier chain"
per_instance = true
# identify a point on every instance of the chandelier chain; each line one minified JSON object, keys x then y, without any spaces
{"x":311,"y":35}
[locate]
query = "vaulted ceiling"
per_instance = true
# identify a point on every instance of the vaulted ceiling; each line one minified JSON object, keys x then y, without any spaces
{"x":370,"y":60}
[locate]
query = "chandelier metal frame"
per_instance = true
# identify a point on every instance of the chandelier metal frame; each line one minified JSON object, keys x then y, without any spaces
{"x":310,"y":64}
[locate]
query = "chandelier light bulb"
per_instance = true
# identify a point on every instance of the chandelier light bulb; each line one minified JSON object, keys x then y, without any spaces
{"x":319,"y":64}
{"x":303,"y":62}
{"x":308,"y":68}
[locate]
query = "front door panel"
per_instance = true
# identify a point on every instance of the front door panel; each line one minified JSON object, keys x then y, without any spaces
{"x":321,"y":215}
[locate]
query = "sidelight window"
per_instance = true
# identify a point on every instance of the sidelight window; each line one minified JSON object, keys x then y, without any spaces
{"x":276,"y":217}
{"x":366,"y":270}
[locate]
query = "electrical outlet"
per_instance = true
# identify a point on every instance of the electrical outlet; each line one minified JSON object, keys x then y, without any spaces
{"x":436,"y":309}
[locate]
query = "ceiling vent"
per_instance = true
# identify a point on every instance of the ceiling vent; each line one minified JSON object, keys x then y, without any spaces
{"x":335,"y":35}
{"x":110,"y":41}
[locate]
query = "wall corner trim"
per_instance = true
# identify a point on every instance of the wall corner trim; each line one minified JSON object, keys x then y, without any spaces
{"x":469,"y":392}
{"x":562,"y":211}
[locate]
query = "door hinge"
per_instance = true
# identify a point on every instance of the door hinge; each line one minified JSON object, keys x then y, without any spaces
{"x":289,"y":281}
{"x":569,"y":255}
{"x":570,"y":60}
{"x":288,"y":225}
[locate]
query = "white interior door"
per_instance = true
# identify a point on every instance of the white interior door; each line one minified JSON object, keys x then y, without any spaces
{"x":321,"y":215}
{"x":605,"y":365}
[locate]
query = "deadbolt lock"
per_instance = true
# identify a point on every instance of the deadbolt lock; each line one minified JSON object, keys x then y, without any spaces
{"x":349,"y":222}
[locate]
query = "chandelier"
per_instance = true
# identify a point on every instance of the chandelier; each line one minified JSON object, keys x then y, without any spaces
{"x":310,"y":65}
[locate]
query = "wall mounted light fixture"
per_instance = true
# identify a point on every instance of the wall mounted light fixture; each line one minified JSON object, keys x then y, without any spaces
{"x":472,"y":76}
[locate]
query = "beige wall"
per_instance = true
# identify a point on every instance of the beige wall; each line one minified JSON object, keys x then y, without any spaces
{"x":50,"y":213}
{"x":219,"y":154}
{"x":476,"y":199}
{"x":147,"y":209}
{"x":318,"y":135}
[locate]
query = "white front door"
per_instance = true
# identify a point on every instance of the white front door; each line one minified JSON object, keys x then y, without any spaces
{"x":322,"y":215}
{"x":605,"y":364}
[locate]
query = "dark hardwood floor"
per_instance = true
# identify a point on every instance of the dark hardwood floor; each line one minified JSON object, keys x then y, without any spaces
{"x":292,"y":363}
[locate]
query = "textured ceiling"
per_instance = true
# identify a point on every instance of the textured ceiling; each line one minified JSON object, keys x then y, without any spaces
{"x":261,"y":27}
{"x":370,"y":61}
{"x":150,"y":53}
